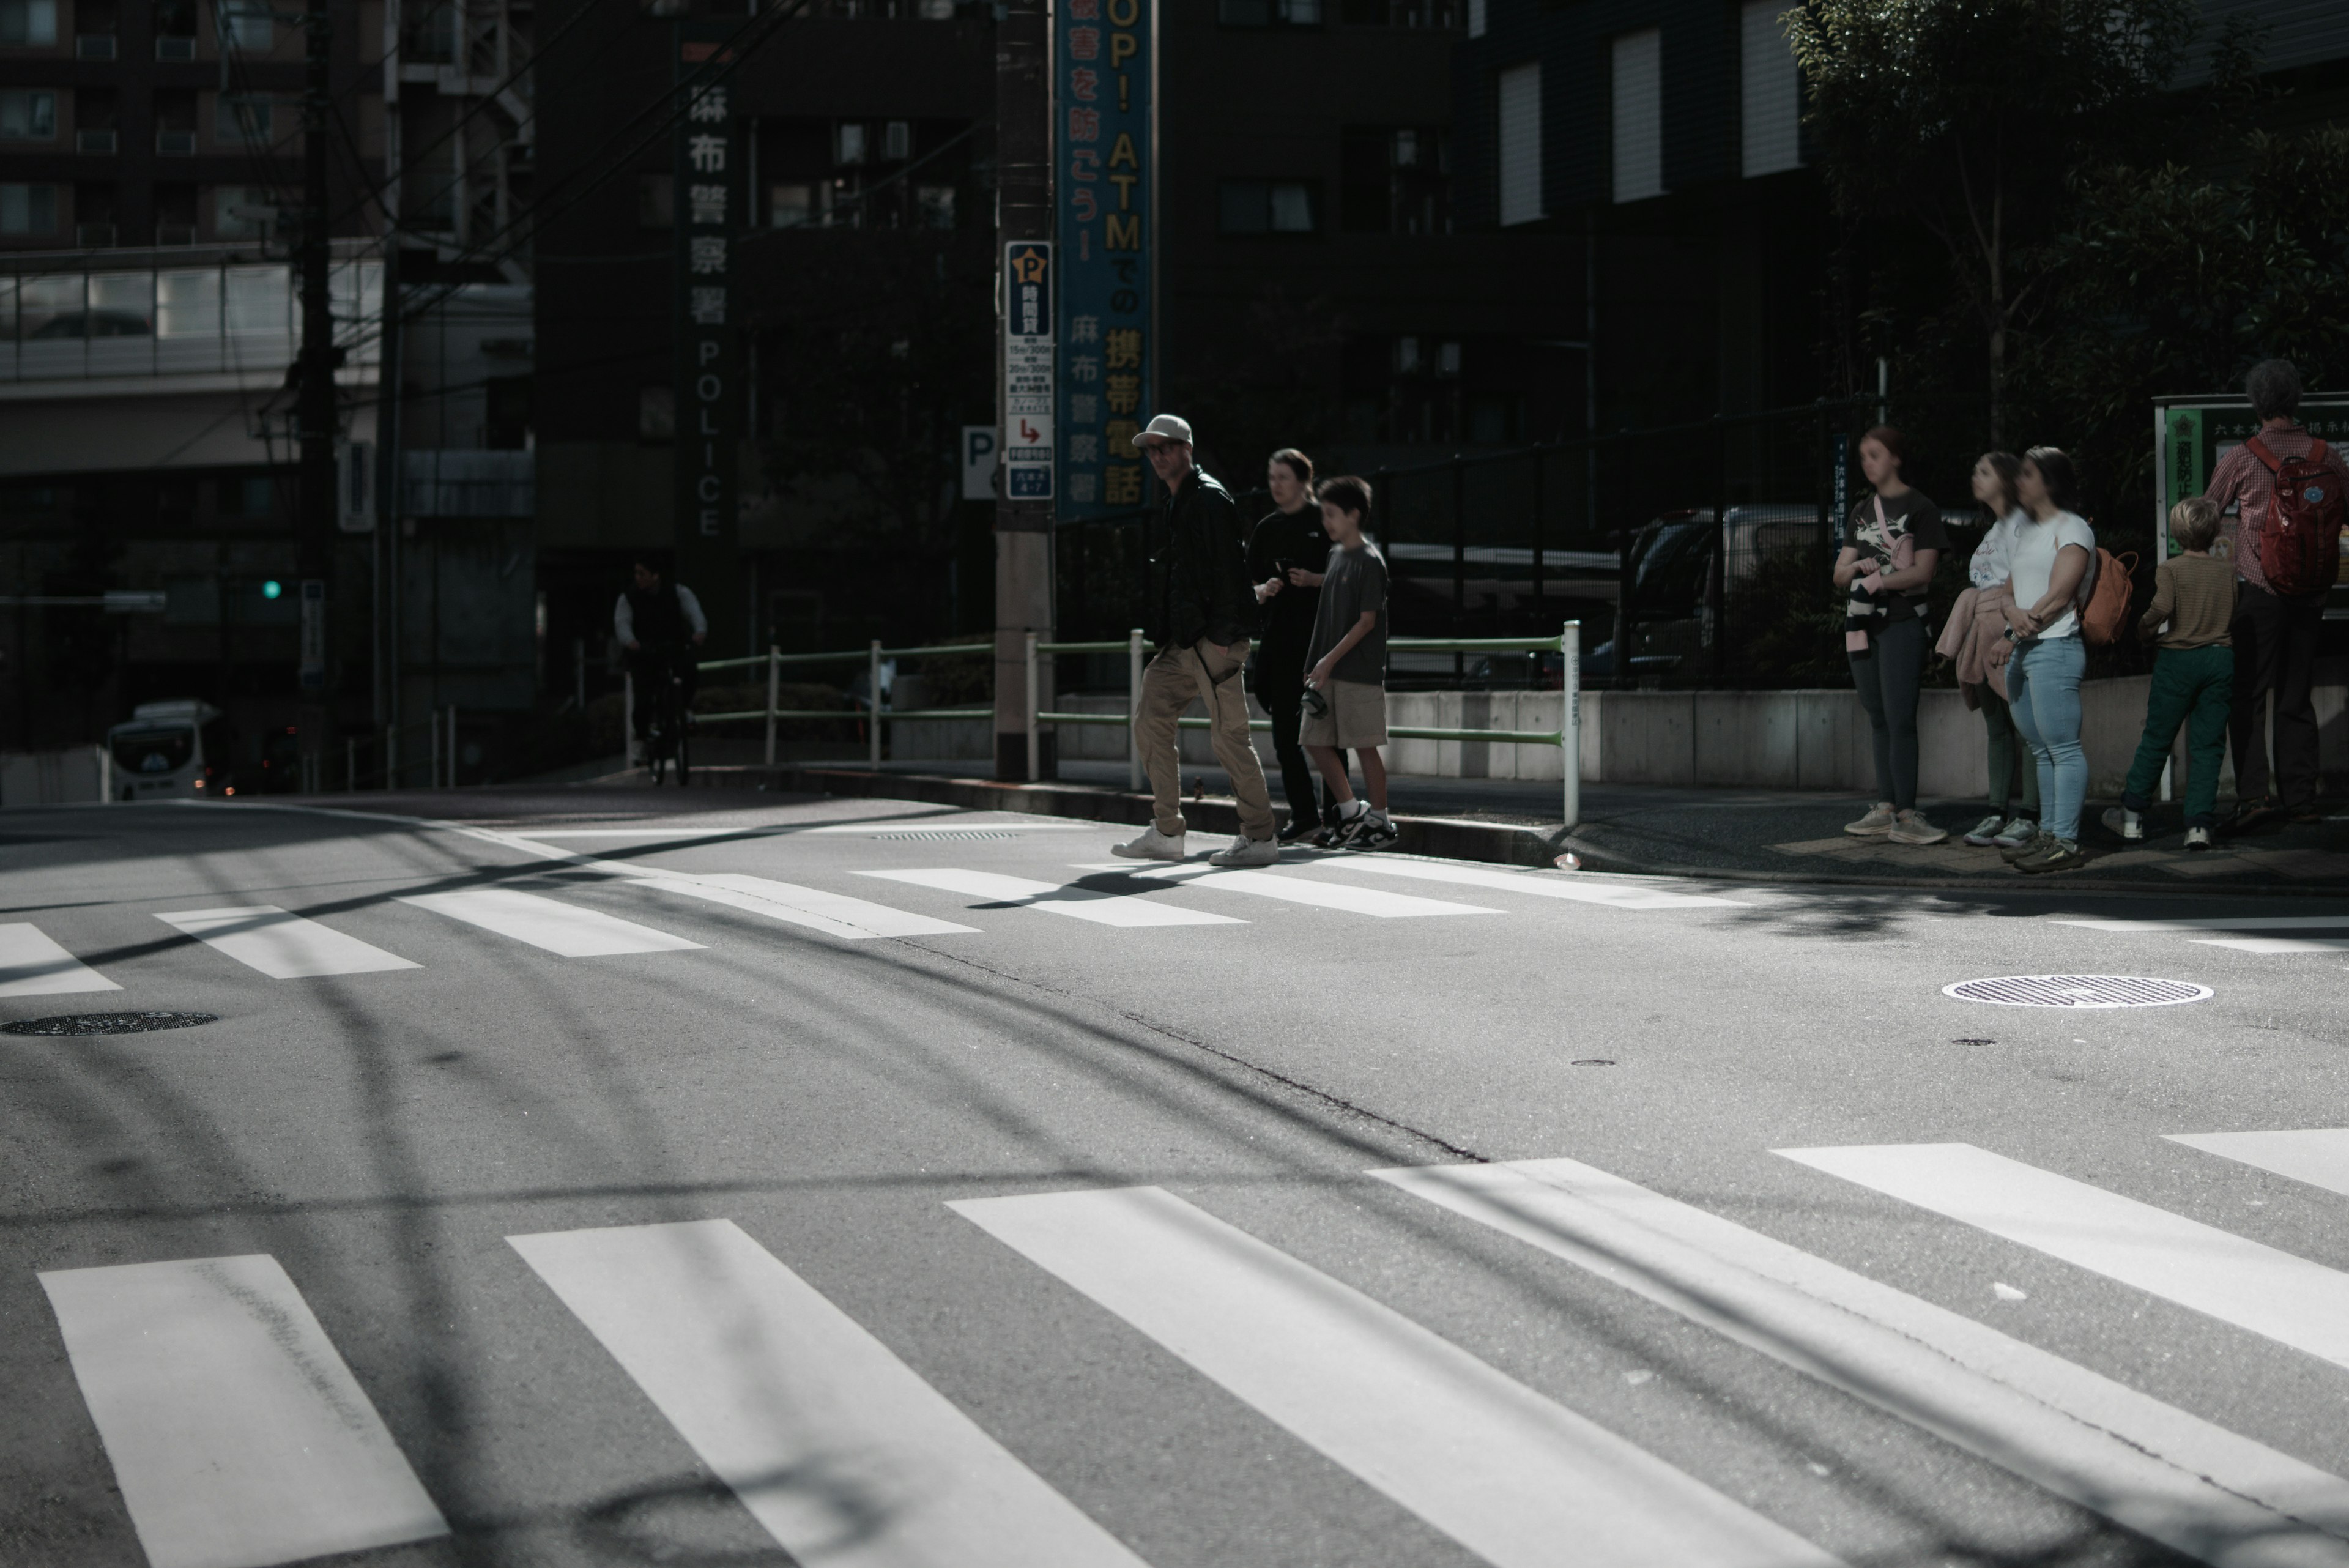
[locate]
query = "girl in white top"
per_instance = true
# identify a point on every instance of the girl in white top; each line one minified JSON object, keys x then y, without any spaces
{"x":2054,"y":560}
{"x":2013,"y":817}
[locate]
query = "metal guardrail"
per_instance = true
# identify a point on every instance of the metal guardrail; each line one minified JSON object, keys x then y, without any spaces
{"x":1568,"y":645}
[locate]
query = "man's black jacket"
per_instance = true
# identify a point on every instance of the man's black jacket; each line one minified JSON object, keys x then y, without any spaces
{"x":1201,"y":571}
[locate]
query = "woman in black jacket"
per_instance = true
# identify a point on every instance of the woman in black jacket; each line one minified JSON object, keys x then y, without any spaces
{"x":1285,"y":554}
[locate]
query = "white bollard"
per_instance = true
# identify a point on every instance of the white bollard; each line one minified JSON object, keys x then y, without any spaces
{"x":1133,"y":709}
{"x":873,"y":684}
{"x":774,"y":687}
{"x":1035,"y":762}
{"x":1569,"y":717}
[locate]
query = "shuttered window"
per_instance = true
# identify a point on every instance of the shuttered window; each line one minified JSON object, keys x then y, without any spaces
{"x":1520,"y":139}
{"x":1769,"y":92}
{"x":1639,"y":116}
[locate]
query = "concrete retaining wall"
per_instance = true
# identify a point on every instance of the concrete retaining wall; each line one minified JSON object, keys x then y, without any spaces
{"x":52,"y":778}
{"x":1813,"y":740}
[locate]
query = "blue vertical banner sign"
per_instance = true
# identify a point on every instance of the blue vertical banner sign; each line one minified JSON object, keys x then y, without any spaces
{"x":1105,"y":156}
{"x":1028,"y":322}
{"x":707,"y":193}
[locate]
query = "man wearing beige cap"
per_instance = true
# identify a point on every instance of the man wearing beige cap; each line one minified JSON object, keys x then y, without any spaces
{"x":1201,"y":609}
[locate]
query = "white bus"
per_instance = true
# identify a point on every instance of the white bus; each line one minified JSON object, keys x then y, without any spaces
{"x":166,"y":749}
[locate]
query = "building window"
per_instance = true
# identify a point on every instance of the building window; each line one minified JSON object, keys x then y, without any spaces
{"x":792,"y":206}
{"x":656,"y":200}
{"x":29,"y":209}
{"x":27,"y":116}
{"x":242,"y":211}
{"x":656,"y":413}
{"x":897,"y":140}
{"x":1268,"y":13}
{"x":1397,"y":180}
{"x":242,"y":121}
{"x":245,"y":495}
{"x":1639,"y":116}
{"x":28,"y":23}
{"x":1520,"y":104}
{"x":1770,"y":93}
{"x":247,"y":26}
{"x":937,"y":205}
{"x":1268,"y":207}
{"x":848,"y":143}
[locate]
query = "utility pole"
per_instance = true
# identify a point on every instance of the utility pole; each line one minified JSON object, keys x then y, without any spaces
{"x":315,"y":412}
{"x":1023,"y":526}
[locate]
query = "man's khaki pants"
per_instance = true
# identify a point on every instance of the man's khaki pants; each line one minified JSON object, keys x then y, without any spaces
{"x":1212,"y":674}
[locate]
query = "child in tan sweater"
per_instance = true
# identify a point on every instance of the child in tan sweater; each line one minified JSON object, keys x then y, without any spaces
{"x":2193,"y":675}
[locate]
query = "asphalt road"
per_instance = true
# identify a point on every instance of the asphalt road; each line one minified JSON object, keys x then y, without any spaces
{"x":612,"y":1177}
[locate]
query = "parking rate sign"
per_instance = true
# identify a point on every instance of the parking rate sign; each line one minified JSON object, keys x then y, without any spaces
{"x":1027,"y":326}
{"x":1106,"y":164}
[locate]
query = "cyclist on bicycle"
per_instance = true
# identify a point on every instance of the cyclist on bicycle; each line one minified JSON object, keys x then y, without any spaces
{"x":660,"y":624}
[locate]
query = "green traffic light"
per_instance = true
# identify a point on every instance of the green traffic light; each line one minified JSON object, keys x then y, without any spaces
{"x":272,"y":588}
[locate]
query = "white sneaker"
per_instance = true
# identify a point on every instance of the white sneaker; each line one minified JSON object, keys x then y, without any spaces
{"x":1875,"y":825}
{"x":1910,"y":827}
{"x":2018,"y":830}
{"x":1248,"y":852}
{"x":1985,"y":834}
{"x":2197,"y":838}
{"x":2123,"y":823}
{"x":1152,"y":846}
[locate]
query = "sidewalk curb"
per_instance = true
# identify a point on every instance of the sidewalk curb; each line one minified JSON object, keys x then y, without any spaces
{"x":1443,"y":837}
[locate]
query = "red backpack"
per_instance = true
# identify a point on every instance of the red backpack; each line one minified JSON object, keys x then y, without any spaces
{"x":2300,"y":537}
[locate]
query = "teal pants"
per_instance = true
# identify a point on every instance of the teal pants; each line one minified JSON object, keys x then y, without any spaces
{"x":2193,"y":686}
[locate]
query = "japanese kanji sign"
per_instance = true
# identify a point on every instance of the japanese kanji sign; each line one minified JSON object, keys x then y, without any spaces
{"x":708,"y":193}
{"x":1027,"y":290}
{"x":1104,"y":69}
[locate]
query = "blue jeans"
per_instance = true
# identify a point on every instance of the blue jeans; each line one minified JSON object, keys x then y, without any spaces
{"x":2043,"y":687}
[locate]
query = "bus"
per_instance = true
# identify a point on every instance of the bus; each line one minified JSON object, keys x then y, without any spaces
{"x":165,"y":751}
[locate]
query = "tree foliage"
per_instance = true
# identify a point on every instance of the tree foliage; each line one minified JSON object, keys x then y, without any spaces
{"x":1969,"y":117}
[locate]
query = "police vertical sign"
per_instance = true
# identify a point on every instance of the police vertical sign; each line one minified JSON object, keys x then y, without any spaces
{"x":1027,"y":290}
{"x":1106,"y":168}
{"x":706,"y":198}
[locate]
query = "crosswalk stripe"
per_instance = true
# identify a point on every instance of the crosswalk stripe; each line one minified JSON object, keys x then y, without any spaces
{"x":1373,"y":901}
{"x":2276,"y":944}
{"x":1511,"y":1475}
{"x":1615,"y":895}
{"x":833,"y":914}
{"x":2236,"y":923}
{"x":559,"y":928}
{"x":838,"y":1447}
{"x":33,"y":964}
{"x":2288,"y":1299}
{"x":237,"y":1435}
{"x":281,"y":945}
{"x":2193,"y":1486}
{"x":1054,"y":898}
{"x":2317,"y":1156}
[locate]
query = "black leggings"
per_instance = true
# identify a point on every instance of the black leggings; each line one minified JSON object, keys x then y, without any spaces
{"x":1887,"y":678}
{"x":1282,"y":694}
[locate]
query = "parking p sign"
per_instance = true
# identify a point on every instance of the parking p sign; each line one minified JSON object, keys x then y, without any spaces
{"x":1027,"y":370}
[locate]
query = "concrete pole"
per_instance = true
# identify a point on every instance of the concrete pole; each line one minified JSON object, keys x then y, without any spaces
{"x":1034,"y":707}
{"x":774,"y":690}
{"x":872,"y":701}
{"x":1023,"y":529}
{"x":1570,"y":719}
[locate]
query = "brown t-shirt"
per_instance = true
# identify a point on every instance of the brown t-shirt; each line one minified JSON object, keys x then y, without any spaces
{"x":2196,"y":595}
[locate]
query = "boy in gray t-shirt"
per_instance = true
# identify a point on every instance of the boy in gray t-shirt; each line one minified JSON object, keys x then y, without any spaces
{"x":1346,"y":663}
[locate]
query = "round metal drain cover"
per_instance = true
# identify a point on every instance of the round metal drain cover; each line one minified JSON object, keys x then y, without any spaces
{"x":2077,"y":990}
{"x":108,"y":1022}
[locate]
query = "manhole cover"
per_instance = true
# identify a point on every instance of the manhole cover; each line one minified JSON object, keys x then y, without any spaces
{"x":932,"y":836}
{"x":108,"y":1022}
{"x":2077,"y":990}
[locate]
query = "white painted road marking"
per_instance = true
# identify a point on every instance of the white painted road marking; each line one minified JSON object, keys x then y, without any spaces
{"x":839,"y":1449}
{"x":2317,"y":1156}
{"x":958,"y":826}
{"x":2287,"y":1298}
{"x":32,"y":964}
{"x":281,"y":945}
{"x":2276,"y":944}
{"x":1615,"y":895}
{"x":237,"y":1435}
{"x":1512,"y":1476}
{"x":559,"y":928}
{"x":2238,"y":923}
{"x":833,"y":914}
{"x":2146,"y":1465}
{"x":1053,"y":898}
{"x":1375,"y":901}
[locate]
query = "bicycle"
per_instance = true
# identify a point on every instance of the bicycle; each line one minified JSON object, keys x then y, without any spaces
{"x":667,"y":736}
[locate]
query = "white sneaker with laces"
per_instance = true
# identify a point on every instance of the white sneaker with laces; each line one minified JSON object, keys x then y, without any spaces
{"x":1248,"y":852}
{"x":2123,"y":823}
{"x":1910,"y":827}
{"x":1875,"y":825}
{"x":1985,"y":834}
{"x":1152,"y":846}
{"x":2197,"y":838}
{"x":2018,"y":830}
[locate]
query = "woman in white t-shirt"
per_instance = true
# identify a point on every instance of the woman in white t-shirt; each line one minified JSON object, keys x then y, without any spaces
{"x":2013,"y":817}
{"x":2052,"y":555}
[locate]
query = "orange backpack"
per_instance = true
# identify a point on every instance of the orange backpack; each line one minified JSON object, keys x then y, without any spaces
{"x":2103,"y":615}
